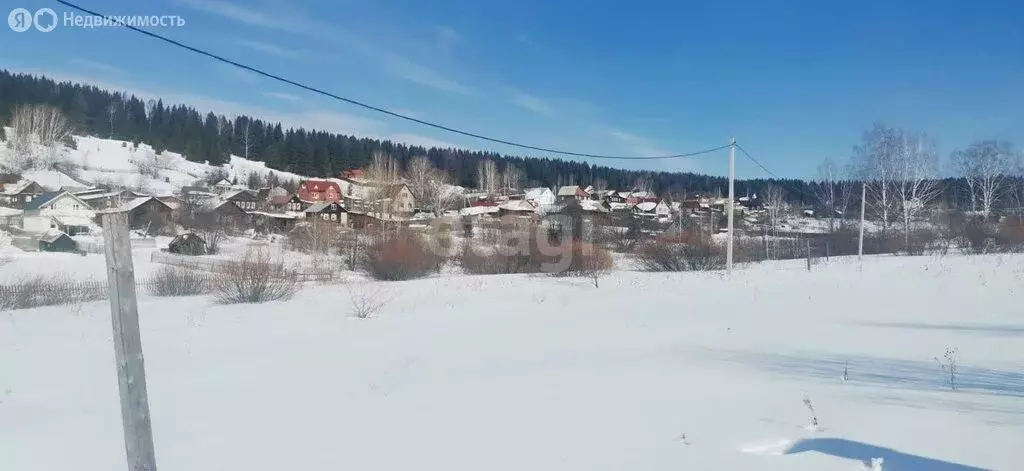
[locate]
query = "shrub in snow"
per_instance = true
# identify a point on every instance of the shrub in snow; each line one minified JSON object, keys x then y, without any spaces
{"x":949,"y":366}
{"x":400,"y":257}
{"x":681,"y":253}
{"x":814,"y":416}
{"x":35,"y":291}
{"x":174,"y":281}
{"x":255,"y":278}
{"x":366,"y":301}
{"x":1010,"y":236}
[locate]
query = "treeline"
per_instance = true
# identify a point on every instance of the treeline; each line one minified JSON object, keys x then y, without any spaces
{"x":210,"y":137}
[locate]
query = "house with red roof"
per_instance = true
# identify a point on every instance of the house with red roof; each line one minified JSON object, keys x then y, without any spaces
{"x":317,"y":190}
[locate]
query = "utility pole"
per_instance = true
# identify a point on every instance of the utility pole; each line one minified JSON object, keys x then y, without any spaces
{"x":732,"y":198}
{"x":863,"y":200}
{"x":131,"y":370}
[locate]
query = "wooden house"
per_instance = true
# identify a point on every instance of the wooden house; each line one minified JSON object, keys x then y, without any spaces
{"x":245,"y":199}
{"x":56,"y":241}
{"x":149,"y":214}
{"x":328,"y":211}
{"x":187,"y":244}
{"x":18,"y":195}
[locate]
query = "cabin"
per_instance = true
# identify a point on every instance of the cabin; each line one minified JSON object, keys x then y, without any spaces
{"x":277,"y":223}
{"x":394,"y":200}
{"x":149,"y":214}
{"x":328,"y":211}
{"x":289,"y":203}
{"x":245,"y":199}
{"x":54,"y":240}
{"x":8,"y":179}
{"x":522,"y":208}
{"x":223,"y":213}
{"x":18,"y":195}
{"x":574,"y":192}
{"x":187,"y":244}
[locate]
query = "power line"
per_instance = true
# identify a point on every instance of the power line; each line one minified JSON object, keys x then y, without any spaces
{"x":780,"y":180}
{"x":375,"y":108}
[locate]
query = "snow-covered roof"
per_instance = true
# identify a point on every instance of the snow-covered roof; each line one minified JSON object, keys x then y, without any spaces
{"x":642,"y":194}
{"x":73,"y":220}
{"x":518,"y":205}
{"x":275,"y":215}
{"x":96,"y":196}
{"x":7,"y":212}
{"x":536,"y":193}
{"x":568,"y":190}
{"x":51,"y":236}
{"x":616,"y":206}
{"x":223,"y":183}
{"x":136,"y":202}
{"x":478,"y":210}
{"x":646,"y":206}
{"x":52,"y":180}
{"x":594,"y":206}
{"x":21,"y":186}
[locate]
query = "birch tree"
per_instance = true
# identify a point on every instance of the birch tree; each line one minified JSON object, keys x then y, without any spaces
{"x":37,"y":132}
{"x":382,"y":172}
{"x":915,"y":183}
{"x":827,"y":190}
{"x":985,"y":165}
{"x":774,"y":202}
{"x":876,"y":163}
{"x":488,"y":179}
{"x":512,"y":179}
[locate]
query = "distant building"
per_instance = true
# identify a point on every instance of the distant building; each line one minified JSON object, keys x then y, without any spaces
{"x":328,"y":211}
{"x":316,"y":190}
{"x":18,"y":195}
{"x":56,"y":241}
{"x":187,"y":244}
{"x":573,"y":192}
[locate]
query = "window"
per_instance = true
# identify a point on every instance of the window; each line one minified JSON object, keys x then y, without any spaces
{"x":323,"y":216}
{"x":334,"y":217}
{"x":28,"y":198}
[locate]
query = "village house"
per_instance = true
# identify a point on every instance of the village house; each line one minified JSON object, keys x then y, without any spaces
{"x":171,"y":201}
{"x":222,"y":213}
{"x":59,"y":203}
{"x":245,"y":199}
{"x":18,"y":195}
{"x":187,"y":244}
{"x":8,"y":179}
{"x":72,"y":225}
{"x":264,"y":222}
{"x":540,"y":196}
{"x":149,"y":214}
{"x":329,"y":211}
{"x":289,"y":203}
{"x":222,"y":187}
{"x":100,"y":198}
{"x":573,"y":192}
{"x":651,"y":209}
{"x":54,"y":240}
{"x":521,"y":208}
{"x":317,"y":190}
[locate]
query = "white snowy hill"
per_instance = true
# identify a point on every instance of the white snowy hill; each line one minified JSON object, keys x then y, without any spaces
{"x":121,"y":163}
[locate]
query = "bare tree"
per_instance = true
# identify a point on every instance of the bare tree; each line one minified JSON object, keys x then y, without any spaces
{"x":985,"y":165}
{"x":246,"y":135}
{"x":774,"y":202}
{"x":876,"y":163}
{"x":642,"y":185}
{"x":915,"y":185}
{"x":383,"y":172}
{"x":512,"y":179}
{"x":37,"y":132}
{"x":419,"y":174}
{"x":488,"y":179}
{"x":827,"y":190}
{"x":150,"y":112}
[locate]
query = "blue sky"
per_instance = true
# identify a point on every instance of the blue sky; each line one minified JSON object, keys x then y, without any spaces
{"x":795,"y":81}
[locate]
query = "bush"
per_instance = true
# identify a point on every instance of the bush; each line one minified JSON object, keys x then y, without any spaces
{"x":1010,"y":236}
{"x":256,"y":278}
{"x":400,"y":257}
{"x":35,"y":291}
{"x":174,"y":281}
{"x":534,"y":250}
{"x":675,"y":254}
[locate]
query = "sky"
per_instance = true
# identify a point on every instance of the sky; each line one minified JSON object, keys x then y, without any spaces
{"x":794,"y":81}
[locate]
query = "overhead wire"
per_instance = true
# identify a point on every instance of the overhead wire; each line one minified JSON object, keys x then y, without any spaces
{"x":378,"y":109}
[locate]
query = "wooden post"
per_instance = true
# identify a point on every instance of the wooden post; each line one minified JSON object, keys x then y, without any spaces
{"x":732,"y":200}
{"x":131,"y":371}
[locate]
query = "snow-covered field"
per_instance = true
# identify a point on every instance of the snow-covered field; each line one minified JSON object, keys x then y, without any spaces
{"x":688,"y":371}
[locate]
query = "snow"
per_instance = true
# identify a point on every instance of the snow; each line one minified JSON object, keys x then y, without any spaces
{"x":527,"y":372}
{"x":478,"y":210}
{"x":646,"y":206}
{"x":118,"y":163}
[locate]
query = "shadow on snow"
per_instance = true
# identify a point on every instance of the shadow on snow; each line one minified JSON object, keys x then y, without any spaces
{"x":980,"y":329}
{"x":863,"y":452}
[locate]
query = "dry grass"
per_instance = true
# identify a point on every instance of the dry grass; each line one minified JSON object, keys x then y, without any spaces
{"x":174,"y":281}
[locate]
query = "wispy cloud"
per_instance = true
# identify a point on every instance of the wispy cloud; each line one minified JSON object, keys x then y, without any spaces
{"x":283,"y":96}
{"x":533,"y":103}
{"x":293,"y":20}
{"x":447,"y":38}
{"x":268,"y":48}
{"x":637,"y":144}
{"x":100,"y":66}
